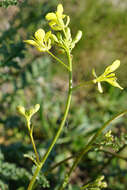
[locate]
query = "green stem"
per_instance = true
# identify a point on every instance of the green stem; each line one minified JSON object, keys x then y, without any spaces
{"x":60,"y":128}
{"x":82,"y":85}
{"x":32,"y":140}
{"x":58,"y":60}
{"x":110,"y":159}
{"x":34,"y":147}
{"x":87,"y":148}
{"x":64,"y":33}
{"x":58,"y":164}
{"x":31,"y":158}
{"x":114,"y":154}
{"x":34,"y":177}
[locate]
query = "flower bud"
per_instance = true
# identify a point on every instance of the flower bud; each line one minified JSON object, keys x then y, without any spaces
{"x":77,"y":37}
{"x":33,"y":110}
{"x":100,"y":178}
{"x":36,"y":107}
{"x":68,"y":32}
{"x":54,"y":38}
{"x":103,"y":185}
{"x":21,"y":110}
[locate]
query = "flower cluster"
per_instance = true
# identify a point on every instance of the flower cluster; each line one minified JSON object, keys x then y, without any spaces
{"x":58,"y":22}
{"x":97,"y":184}
{"x":62,"y":37}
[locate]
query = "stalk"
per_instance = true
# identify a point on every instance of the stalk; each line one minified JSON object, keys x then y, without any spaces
{"x":34,"y":147}
{"x":39,"y":167}
{"x":82,"y":85}
{"x":61,"y":62}
{"x":32,"y":141}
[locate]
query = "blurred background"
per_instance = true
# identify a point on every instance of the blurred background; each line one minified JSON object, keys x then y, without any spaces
{"x":28,"y":77}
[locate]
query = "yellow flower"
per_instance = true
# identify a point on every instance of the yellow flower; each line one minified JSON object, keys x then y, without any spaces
{"x":42,"y":40}
{"x":56,"y":19}
{"x":108,"y":76}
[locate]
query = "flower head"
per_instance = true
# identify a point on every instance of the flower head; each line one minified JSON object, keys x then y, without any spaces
{"x":41,"y":40}
{"x":108,"y":76}
{"x":56,"y":20}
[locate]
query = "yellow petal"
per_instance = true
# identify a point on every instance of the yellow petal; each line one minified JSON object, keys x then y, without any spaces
{"x":112,"y":67}
{"x":51,"y":16}
{"x":94,"y":73}
{"x":100,"y":87}
{"x":47,"y":36}
{"x":68,"y":20}
{"x":41,"y":49}
{"x":40,"y":34}
{"x":114,"y":83}
{"x":31,"y":42}
{"x":54,"y":26}
{"x":110,"y":75}
{"x":63,"y":16}
{"x":59,"y":10}
{"x":49,"y":44}
{"x":52,"y":23}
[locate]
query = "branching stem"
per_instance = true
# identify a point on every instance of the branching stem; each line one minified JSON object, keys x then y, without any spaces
{"x":87,"y":148}
{"x":61,"y":125}
{"x":114,"y":154}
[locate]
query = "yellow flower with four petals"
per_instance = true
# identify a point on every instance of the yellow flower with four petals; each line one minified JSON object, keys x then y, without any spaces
{"x":42,"y":40}
{"x":108,"y":76}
